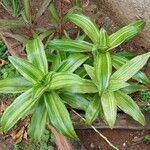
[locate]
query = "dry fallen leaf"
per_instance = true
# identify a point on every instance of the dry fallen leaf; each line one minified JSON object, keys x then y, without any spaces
{"x":18,"y":136}
{"x":61,"y":142}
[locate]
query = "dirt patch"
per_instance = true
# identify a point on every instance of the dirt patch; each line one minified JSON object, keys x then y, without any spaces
{"x":123,"y":139}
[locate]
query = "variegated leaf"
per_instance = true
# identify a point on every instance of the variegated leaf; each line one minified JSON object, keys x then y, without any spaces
{"x":131,"y":67}
{"x":29,"y":71}
{"x":103,"y":69}
{"x":89,"y":27}
{"x":14,"y":85}
{"x":126,"y":33}
{"x":126,"y":104}
{"x":18,"y":109}
{"x":36,"y":54}
{"x":59,"y":116}
{"x":109,"y":106}
{"x":38,"y":121}
{"x":70,"y":45}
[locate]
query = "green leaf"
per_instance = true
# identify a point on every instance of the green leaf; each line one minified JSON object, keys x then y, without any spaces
{"x":126,"y":104}
{"x":53,"y":15}
{"x":38,"y":121}
{"x":14,"y":85}
{"x":133,"y":87}
{"x":59,"y":115}
{"x":72,"y":63}
{"x":38,"y":91}
{"x":81,"y":72}
{"x":119,"y":61}
{"x":6,"y":24}
{"x":43,"y":8}
{"x":29,"y":71}
{"x":56,"y":62}
{"x":103,"y":40}
{"x":89,"y":27}
{"x":126,"y":33}
{"x":36,"y":54}
{"x":109,"y":106}
{"x":115,"y":85}
{"x":64,"y":80}
{"x":70,"y":45}
{"x":90,"y":71}
{"x":17,"y":110}
{"x":26,"y":14}
{"x":103,"y":69}
{"x":93,"y":109}
{"x":76,"y":101}
{"x":131,"y":67}
{"x":85,"y":86}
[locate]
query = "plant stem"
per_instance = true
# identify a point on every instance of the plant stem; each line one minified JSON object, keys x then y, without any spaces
{"x":94,"y":128}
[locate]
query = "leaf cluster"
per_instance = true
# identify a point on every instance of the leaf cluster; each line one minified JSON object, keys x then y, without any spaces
{"x":82,"y":74}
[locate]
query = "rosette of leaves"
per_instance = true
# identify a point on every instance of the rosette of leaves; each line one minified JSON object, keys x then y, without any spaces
{"x":109,"y":84}
{"x":41,"y":90}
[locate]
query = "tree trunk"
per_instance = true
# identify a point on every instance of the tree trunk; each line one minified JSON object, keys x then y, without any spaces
{"x":125,"y":11}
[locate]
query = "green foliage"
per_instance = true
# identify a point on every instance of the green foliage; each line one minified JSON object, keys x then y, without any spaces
{"x":41,"y":91}
{"x":145,"y":96}
{"x":96,"y":82}
{"x":113,"y":86}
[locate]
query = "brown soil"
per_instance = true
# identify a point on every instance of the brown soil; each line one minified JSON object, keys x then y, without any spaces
{"x":123,"y":139}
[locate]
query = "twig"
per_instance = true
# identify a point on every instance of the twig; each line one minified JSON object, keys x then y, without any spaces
{"x":101,"y":135}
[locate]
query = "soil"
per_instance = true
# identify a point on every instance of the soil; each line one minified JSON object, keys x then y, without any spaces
{"x":125,"y":139}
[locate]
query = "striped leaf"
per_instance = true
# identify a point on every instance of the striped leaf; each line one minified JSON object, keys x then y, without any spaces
{"x":89,"y":27}
{"x":70,"y":45}
{"x":115,"y":85}
{"x":38,"y":91}
{"x":72,"y":83}
{"x":103,"y":40}
{"x":76,"y":101}
{"x":126,"y":33}
{"x":119,"y":61}
{"x":109,"y":106}
{"x":131,"y":67}
{"x":64,"y":80}
{"x":26,"y":13}
{"x":93,"y":109}
{"x":36,"y":54}
{"x":126,"y":104}
{"x":38,"y":121}
{"x":81,"y":72}
{"x":85,"y":86}
{"x":14,"y":85}
{"x":54,"y":15}
{"x":29,"y":71}
{"x":17,"y":110}
{"x":72,"y":63}
{"x":103,"y":69}
{"x":90,"y":71}
{"x":133,"y":87}
{"x":59,"y":116}
{"x":6,"y":24}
